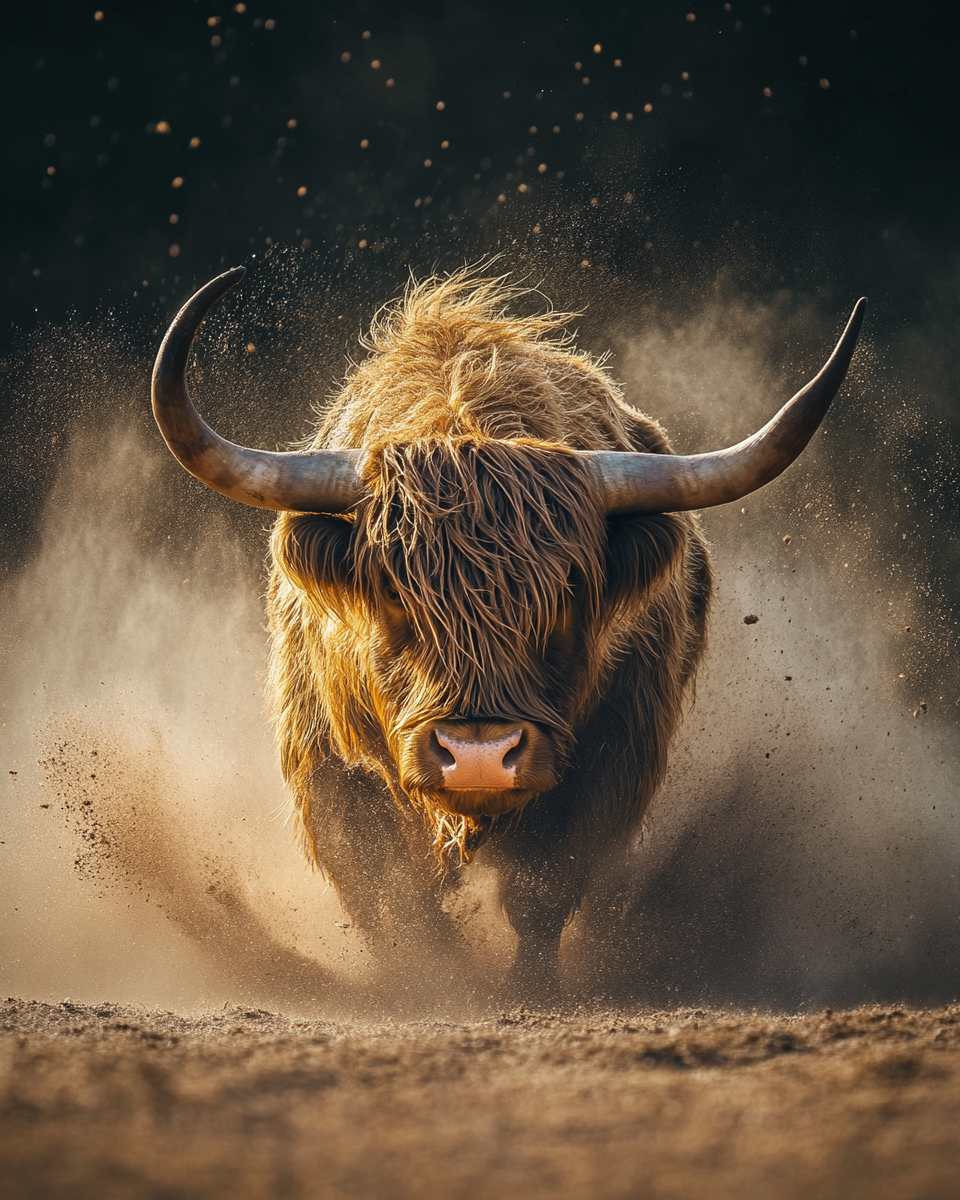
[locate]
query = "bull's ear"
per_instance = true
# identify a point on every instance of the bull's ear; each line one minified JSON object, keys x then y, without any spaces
{"x":642,"y":554}
{"x":315,"y":553}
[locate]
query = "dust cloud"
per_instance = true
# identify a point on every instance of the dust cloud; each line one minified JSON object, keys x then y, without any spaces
{"x":805,"y":849}
{"x":147,"y":853}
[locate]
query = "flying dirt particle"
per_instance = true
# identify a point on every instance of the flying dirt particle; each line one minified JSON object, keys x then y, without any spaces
{"x":787,"y":539}
{"x":788,"y":678}
{"x":751,"y":619}
{"x":920,"y":709}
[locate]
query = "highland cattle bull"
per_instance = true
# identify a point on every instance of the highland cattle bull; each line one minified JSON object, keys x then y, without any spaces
{"x":487,"y":603}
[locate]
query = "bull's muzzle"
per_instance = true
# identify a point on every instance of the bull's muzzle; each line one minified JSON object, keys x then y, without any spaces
{"x":480,"y":766}
{"x":471,"y":763}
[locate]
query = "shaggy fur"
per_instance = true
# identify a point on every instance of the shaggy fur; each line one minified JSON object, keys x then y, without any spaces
{"x":480,"y":574}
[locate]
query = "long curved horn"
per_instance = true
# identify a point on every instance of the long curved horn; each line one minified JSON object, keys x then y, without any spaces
{"x":307,"y":481}
{"x":656,"y":483}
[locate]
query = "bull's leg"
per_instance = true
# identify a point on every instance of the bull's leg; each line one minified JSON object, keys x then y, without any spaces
{"x":538,"y":901}
{"x":546,"y":858}
{"x":372,"y":853}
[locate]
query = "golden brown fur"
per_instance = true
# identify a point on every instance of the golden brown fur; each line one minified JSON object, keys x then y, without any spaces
{"x":480,"y":574}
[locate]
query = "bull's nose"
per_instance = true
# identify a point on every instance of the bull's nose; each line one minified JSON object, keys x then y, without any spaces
{"x":471,"y":763}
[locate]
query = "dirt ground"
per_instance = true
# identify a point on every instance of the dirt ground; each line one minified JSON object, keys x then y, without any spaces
{"x":112,"y":1102}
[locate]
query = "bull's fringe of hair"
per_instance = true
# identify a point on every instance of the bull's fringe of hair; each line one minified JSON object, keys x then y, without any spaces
{"x":468,"y":413}
{"x":483,"y":544}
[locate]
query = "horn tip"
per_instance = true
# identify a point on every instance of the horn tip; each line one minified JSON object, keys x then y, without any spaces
{"x":856,"y":318}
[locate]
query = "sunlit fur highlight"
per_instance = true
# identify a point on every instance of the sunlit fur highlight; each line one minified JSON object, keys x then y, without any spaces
{"x":479,"y":535}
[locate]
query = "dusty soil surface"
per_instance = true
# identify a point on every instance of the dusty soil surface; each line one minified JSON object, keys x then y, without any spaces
{"x":112,"y":1102}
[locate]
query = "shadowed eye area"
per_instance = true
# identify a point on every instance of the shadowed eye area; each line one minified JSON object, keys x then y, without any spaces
{"x":393,"y":614}
{"x":563,"y":635}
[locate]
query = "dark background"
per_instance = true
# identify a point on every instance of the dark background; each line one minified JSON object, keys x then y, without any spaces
{"x":794,"y":153}
{"x":811,"y":145}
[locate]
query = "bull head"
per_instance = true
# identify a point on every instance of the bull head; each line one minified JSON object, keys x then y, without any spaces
{"x":330,"y":481}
